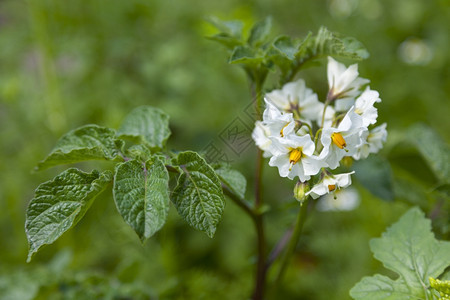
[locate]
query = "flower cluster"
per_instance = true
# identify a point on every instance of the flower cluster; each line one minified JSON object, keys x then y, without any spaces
{"x":305,"y":137}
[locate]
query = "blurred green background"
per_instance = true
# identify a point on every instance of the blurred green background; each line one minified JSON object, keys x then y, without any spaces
{"x":67,"y":63}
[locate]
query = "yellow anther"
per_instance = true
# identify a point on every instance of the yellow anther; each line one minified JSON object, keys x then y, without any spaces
{"x":281,"y":131}
{"x":294,"y":156}
{"x":331,"y":187}
{"x":338,"y":140}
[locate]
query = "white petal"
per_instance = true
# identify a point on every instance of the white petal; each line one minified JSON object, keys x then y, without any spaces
{"x":282,"y":163}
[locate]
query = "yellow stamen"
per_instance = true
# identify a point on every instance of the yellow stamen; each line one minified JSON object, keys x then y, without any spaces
{"x":338,"y":140}
{"x":281,"y":131}
{"x":331,"y":187}
{"x":294,"y":156}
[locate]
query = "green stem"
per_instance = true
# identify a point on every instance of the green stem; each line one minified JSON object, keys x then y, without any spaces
{"x":327,"y":102}
{"x":242,"y":203}
{"x":301,"y":216}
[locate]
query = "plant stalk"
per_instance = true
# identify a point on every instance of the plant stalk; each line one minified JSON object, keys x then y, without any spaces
{"x":300,"y":221}
{"x":260,"y":278}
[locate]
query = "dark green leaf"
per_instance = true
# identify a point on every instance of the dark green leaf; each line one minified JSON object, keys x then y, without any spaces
{"x":408,"y":248}
{"x":198,"y":195}
{"x":141,"y":195}
{"x":147,"y":125}
{"x":375,"y":174}
{"x":90,"y":142}
{"x":60,"y":203}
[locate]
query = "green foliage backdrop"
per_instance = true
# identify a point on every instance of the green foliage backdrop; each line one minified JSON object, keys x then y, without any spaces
{"x":64,"y":64}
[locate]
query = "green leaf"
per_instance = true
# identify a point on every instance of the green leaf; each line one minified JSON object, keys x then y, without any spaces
{"x":433,"y":149}
{"x":233,"y":179}
{"x":141,"y":195}
{"x":226,"y":40}
{"x":379,"y":287}
{"x":245,"y":55}
{"x":260,"y":32}
{"x":326,"y":43}
{"x":198,"y":195}
{"x":230,"y":34}
{"x":231,"y":28}
{"x":375,"y":174}
{"x":408,"y":248}
{"x":89,"y":142}
{"x":60,"y":203}
{"x":148,"y":125}
{"x":285,"y":47}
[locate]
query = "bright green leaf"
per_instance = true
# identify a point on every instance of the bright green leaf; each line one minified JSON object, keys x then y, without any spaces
{"x":60,"y":203}
{"x":198,"y":195}
{"x":433,"y":149}
{"x":260,"y":32}
{"x":233,"y":179}
{"x":408,"y":248}
{"x":89,"y":142}
{"x":141,"y":195}
{"x":148,"y":125}
{"x":375,"y":174}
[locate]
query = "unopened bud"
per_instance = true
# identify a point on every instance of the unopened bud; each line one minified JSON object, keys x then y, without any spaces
{"x":347,"y":161}
{"x":300,"y":189}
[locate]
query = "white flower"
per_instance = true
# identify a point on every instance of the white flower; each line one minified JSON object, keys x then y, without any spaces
{"x":341,"y":200}
{"x":274,"y":124}
{"x":343,"y":140}
{"x":330,"y":183}
{"x":344,"y":84}
{"x":294,"y":157}
{"x":261,"y":137}
{"x":296,"y":97}
{"x":374,"y":140}
{"x":364,"y":106}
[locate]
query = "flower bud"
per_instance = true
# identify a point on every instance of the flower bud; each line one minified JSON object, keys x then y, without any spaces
{"x":347,"y":161}
{"x":300,"y":189}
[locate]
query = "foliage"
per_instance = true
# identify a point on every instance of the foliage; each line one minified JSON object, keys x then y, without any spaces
{"x":141,"y":184}
{"x":409,"y":249}
{"x":63,"y":66}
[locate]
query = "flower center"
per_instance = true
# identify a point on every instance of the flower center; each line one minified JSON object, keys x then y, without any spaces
{"x":331,"y":187}
{"x":294,"y":156}
{"x":338,"y":140}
